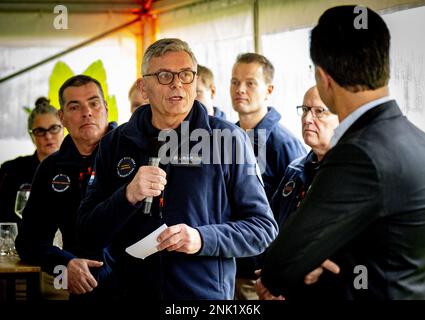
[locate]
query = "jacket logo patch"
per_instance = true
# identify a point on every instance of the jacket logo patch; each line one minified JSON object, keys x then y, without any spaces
{"x":61,"y":182}
{"x":289,"y":187}
{"x":125,"y":167}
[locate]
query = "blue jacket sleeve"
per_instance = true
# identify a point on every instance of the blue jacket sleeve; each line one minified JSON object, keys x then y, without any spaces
{"x":252,"y":226}
{"x":35,"y":238}
{"x":104,"y":211}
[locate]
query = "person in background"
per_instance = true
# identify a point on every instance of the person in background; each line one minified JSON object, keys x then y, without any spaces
{"x":46,"y":132}
{"x":135,"y":96}
{"x":211,"y":210}
{"x":274,"y":146}
{"x":318,"y":125}
{"x":205,"y":91}
{"x":366,"y":204}
{"x":62,"y":179}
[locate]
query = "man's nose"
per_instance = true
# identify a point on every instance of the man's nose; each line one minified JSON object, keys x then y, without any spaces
{"x":308,"y":117}
{"x":176,"y":82}
{"x":241,"y":88}
{"x":86,"y":110}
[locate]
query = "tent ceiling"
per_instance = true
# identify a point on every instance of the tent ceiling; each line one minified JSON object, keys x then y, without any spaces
{"x":89,"y":6}
{"x":75,"y":6}
{"x":31,"y":21}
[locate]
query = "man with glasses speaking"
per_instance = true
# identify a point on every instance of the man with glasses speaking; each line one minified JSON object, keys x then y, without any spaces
{"x":206,"y":201}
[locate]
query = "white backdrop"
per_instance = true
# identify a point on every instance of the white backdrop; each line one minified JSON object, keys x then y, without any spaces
{"x":117,"y":52}
{"x":289,"y":52}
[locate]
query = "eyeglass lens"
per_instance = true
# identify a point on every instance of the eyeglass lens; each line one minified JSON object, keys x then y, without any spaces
{"x":167,"y":77}
{"x":316,"y":111}
{"x":39,"y":132}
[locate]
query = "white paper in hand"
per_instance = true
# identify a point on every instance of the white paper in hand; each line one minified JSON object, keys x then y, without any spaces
{"x":146,"y":246}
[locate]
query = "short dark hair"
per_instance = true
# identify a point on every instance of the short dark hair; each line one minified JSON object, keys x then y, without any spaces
{"x":205,"y":75}
{"x":78,"y":81}
{"x":356,"y":58}
{"x":250,"y":57}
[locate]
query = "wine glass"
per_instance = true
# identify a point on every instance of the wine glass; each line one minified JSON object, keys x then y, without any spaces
{"x":8,"y":233}
{"x":22,"y":197}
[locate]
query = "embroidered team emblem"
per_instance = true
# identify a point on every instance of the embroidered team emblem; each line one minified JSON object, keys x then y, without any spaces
{"x":61,"y":182}
{"x":289,"y":187}
{"x":125,"y":167}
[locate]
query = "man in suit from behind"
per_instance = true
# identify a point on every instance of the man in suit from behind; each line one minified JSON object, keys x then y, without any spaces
{"x":366,"y":205}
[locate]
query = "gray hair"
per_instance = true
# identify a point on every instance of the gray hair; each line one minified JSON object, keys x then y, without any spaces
{"x":42,"y":106}
{"x":161,"y":47}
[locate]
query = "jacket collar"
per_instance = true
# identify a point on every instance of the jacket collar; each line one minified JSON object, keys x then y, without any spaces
{"x":269,"y":121}
{"x":382,"y":111}
{"x":301,"y":163}
{"x":68,"y":146}
{"x":34,"y":158}
{"x":139,"y":129}
{"x":311,"y":164}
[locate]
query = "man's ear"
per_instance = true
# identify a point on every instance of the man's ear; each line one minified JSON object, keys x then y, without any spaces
{"x":141,"y":87}
{"x":326,"y":85}
{"x":270,"y":88}
{"x":60,"y":114}
{"x":324,"y":78}
{"x":212,"y":88}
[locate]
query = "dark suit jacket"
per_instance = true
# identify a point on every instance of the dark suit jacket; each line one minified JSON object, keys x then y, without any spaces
{"x":366,"y":206}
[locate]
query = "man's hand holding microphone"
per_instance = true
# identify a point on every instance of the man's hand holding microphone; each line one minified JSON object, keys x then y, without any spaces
{"x":150,"y":181}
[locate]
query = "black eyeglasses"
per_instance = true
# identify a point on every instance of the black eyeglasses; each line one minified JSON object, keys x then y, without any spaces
{"x":317,"y":112}
{"x":40,"y":132}
{"x":167,"y":77}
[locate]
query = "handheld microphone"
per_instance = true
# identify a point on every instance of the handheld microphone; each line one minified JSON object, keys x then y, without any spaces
{"x":154,"y":160}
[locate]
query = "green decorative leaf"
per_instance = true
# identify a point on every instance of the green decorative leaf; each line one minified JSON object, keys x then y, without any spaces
{"x":61,"y":72}
{"x":98,"y":72}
